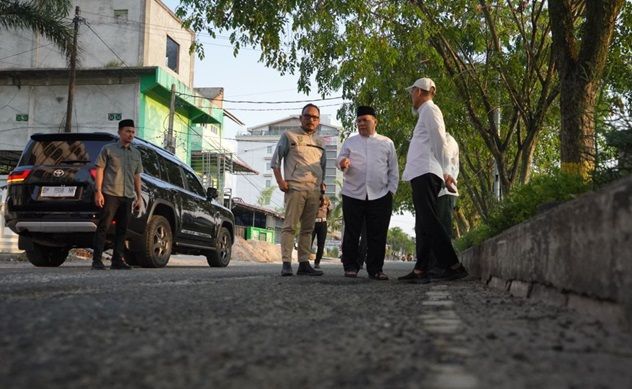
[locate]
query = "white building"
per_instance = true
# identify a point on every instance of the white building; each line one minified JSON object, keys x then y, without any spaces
{"x":131,"y":53}
{"x":256,"y":147}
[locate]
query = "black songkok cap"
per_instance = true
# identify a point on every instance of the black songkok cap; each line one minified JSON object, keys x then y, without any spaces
{"x":365,"y":110}
{"x":126,"y":123}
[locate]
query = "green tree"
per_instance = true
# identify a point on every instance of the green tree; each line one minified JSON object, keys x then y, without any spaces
{"x":265,"y":196}
{"x":46,"y":17}
{"x":399,"y":242}
{"x":483,"y":56}
{"x":581,"y":38}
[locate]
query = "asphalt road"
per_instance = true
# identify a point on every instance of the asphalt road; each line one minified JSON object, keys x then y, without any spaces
{"x":190,"y":326}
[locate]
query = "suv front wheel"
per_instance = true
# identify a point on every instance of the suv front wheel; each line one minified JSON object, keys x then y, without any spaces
{"x":158,"y":243}
{"x":220,"y":257}
{"x":44,"y":256}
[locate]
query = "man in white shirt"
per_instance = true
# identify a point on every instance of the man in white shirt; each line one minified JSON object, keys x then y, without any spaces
{"x":427,"y":170}
{"x":446,"y":203}
{"x":447,"y":200}
{"x":371,"y":176}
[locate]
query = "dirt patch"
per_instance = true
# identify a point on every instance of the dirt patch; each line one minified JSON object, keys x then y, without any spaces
{"x":256,"y":251}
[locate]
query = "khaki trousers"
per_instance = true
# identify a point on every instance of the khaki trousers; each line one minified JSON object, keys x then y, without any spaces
{"x":300,"y":207}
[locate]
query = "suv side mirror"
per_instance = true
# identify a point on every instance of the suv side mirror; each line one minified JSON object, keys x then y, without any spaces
{"x":211,"y":193}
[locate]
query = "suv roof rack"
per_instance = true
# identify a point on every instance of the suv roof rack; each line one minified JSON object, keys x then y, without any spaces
{"x":74,"y":135}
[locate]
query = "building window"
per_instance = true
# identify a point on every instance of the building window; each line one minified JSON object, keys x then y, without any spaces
{"x":268,"y":165}
{"x":120,"y":15}
{"x":269,"y":150}
{"x":268,"y":183}
{"x":173,"y":54}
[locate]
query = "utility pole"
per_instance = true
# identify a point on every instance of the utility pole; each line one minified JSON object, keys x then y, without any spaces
{"x":73,"y":65}
{"x":497,"y":191}
{"x":169,"y":141}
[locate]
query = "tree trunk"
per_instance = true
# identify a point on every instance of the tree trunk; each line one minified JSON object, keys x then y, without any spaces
{"x":581,"y":63}
{"x":577,"y":135}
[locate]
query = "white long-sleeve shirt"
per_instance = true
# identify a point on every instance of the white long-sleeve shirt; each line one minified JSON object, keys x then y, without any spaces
{"x":452,"y":153}
{"x":426,"y":152}
{"x":373,"y":171}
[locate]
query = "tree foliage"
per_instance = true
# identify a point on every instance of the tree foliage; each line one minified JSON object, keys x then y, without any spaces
{"x":265,"y":196}
{"x":46,"y":17}
{"x":485,"y":56}
{"x":399,"y":241}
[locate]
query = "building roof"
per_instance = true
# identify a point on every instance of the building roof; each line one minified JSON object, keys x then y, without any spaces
{"x":240,"y":203}
{"x":273,"y":122}
{"x":297,"y":117}
{"x":211,"y":93}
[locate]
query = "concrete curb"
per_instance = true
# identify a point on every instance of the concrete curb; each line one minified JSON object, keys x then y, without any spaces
{"x":578,"y":254}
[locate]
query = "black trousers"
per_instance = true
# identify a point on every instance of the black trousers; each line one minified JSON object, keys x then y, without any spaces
{"x":117,"y":209}
{"x":430,"y":234}
{"x":362,"y":249}
{"x":377,"y":216}
{"x":320,"y":233}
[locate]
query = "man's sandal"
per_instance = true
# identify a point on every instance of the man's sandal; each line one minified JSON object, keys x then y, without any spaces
{"x":351,"y":273}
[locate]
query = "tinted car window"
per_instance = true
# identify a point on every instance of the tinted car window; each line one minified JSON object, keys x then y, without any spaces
{"x":193,"y":183}
{"x":61,"y":151}
{"x":151,"y":161}
{"x":173,"y":176}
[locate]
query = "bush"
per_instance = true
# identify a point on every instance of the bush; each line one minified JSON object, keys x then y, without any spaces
{"x":523,"y":203}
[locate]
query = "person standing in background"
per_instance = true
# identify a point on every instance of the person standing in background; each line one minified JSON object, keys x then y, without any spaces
{"x":320,"y":226}
{"x":446,"y":203}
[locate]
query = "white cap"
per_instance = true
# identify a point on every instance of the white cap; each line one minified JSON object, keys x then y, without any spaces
{"x":423,"y":83}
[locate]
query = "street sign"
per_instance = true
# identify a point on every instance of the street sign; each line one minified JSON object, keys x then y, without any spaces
{"x":115,"y":116}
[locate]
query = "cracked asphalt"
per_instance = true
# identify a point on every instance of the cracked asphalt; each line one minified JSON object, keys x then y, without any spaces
{"x":191,"y":326}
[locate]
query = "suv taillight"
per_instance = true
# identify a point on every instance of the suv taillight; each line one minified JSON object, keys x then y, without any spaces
{"x":93,"y":173}
{"x":18,"y":176}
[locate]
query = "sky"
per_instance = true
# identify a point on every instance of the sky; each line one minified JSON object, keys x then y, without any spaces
{"x":245,"y":78}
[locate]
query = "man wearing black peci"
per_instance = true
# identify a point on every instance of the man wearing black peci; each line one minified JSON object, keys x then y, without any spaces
{"x":371,"y":176}
{"x":117,"y":190}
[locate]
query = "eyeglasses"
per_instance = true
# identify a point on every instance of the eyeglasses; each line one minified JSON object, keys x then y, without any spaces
{"x":310,"y":117}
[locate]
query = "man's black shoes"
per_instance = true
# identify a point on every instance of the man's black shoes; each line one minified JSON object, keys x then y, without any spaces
{"x":120,"y":266}
{"x":305,"y":269}
{"x":415,"y":278}
{"x":98,"y":265}
{"x":286,"y":271}
{"x":450,"y":274}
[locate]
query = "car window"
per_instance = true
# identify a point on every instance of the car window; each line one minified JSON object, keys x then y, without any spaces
{"x":57,"y":152}
{"x":151,"y":161}
{"x":193,"y":183}
{"x":173,"y":173}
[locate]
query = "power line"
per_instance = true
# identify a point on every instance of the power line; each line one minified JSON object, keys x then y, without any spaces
{"x":24,"y":52}
{"x":277,"y":109}
{"x":106,"y":45}
{"x":267,"y":102}
{"x":140,"y":23}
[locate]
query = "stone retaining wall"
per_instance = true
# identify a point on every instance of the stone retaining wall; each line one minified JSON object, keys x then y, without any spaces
{"x":578,"y":254}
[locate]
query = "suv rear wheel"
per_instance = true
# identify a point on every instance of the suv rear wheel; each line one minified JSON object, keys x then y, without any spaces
{"x":158,"y":243}
{"x":220,"y":257}
{"x":44,"y":256}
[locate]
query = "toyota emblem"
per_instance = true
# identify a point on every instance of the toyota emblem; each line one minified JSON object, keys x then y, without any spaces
{"x":58,"y":173}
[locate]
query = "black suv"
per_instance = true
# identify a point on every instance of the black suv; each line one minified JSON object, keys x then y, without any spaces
{"x":50,"y":204}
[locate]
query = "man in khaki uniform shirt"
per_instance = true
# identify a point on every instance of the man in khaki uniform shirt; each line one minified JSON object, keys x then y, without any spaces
{"x":117,"y":190}
{"x":303,"y":156}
